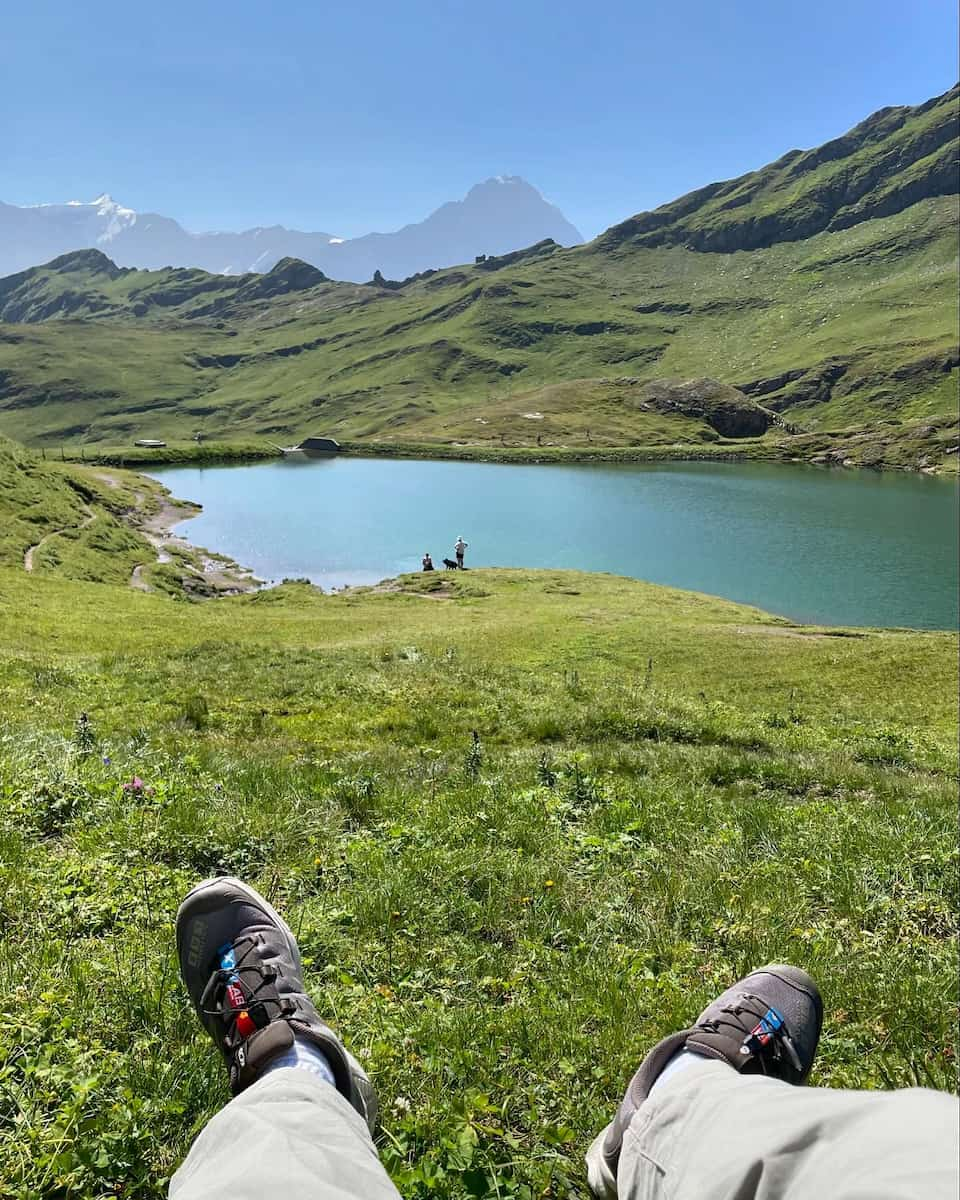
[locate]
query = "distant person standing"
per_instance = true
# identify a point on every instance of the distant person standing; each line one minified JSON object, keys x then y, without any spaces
{"x":427,"y":563}
{"x":459,"y":547}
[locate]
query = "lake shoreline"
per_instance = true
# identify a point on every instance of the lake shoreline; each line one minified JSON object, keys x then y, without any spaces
{"x":803,"y":544}
{"x":223,"y":575}
{"x":223,"y":453}
{"x":850,"y":450}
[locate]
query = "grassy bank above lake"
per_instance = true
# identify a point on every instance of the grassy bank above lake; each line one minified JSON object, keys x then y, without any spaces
{"x":928,"y":444}
{"x":78,"y":521}
{"x":667,"y":789}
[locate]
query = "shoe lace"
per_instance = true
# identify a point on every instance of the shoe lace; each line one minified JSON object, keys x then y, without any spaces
{"x":253,"y":979}
{"x":766,"y":1038}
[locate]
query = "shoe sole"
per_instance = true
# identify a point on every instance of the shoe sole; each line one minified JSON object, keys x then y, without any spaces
{"x":209,"y":885}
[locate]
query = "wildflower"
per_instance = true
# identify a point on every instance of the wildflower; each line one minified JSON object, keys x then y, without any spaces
{"x":316,"y":862}
{"x":106,"y":760}
{"x":401,"y":1105}
{"x":134,"y":786}
{"x":549,"y":884}
{"x":526,"y":899}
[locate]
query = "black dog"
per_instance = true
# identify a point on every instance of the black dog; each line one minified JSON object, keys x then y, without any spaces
{"x":450,"y":564}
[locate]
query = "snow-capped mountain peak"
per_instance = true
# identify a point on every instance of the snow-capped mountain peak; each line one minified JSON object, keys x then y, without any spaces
{"x":116,"y":217}
{"x":502,"y":214}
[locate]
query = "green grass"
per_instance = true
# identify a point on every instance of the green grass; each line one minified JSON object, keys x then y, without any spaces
{"x":670,"y":789}
{"x":76,"y":520}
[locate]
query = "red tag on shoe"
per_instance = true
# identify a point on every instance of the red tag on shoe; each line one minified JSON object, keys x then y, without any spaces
{"x":235,"y":996}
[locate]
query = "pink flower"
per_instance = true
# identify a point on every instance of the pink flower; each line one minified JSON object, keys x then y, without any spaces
{"x":135,"y":785}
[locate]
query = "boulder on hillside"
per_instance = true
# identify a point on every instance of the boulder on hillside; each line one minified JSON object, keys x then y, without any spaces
{"x":724,"y":408}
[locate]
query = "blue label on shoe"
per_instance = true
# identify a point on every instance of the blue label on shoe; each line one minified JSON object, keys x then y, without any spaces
{"x":767,"y":1028}
{"x":228,"y":960}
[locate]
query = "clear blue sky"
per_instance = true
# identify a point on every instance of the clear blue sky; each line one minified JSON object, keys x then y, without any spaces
{"x":368,"y":114}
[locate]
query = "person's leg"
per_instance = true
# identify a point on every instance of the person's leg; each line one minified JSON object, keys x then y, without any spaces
{"x":710,"y":1115}
{"x":300,"y":1124}
{"x":708,"y":1133}
{"x":290,"y":1135}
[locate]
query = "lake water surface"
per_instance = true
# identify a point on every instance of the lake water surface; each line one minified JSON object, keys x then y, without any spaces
{"x":830,"y":546}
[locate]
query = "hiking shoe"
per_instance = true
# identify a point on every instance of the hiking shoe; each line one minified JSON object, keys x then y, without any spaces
{"x":241,"y":966}
{"x":766,"y":1024}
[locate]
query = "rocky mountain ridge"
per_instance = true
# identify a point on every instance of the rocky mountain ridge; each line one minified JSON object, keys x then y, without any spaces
{"x":893,"y":159}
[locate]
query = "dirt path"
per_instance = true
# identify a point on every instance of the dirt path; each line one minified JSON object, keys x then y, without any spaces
{"x":28,"y":556}
{"x":136,"y":576}
{"x":137,"y":580}
{"x":156,"y":529}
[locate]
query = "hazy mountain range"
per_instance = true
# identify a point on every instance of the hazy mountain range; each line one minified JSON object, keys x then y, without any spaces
{"x":495,"y":217}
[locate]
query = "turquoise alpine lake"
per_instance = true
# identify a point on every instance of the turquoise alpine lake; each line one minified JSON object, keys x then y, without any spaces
{"x":817,"y":545}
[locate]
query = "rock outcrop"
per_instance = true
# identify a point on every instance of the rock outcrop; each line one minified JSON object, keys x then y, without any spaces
{"x":724,"y":408}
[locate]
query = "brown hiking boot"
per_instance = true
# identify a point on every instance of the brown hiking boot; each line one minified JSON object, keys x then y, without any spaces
{"x":766,"y":1024}
{"x":241,"y":966}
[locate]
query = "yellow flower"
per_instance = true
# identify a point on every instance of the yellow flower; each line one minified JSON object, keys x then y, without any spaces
{"x":548,"y":884}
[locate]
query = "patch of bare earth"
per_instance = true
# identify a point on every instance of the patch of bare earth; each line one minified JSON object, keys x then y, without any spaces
{"x":442,"y":591}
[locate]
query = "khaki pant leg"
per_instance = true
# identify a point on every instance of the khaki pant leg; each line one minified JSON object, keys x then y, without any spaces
{"x":291,"y":1136}
{"x":711,"y":1134}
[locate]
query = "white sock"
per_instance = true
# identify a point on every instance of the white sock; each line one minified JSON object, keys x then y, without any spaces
{"x":307,"y":1057}
{"x":680,"y":1061}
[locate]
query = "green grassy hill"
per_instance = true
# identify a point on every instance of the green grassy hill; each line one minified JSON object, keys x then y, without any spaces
{"x":62,"y":520}
{"x":669,"y":789}
{"x":822,"y":288}
{"x":882,"y":166}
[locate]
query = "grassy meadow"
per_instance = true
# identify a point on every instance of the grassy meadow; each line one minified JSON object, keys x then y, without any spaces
{"x":664,"y":790}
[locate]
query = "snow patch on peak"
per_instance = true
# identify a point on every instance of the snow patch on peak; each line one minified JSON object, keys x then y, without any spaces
{"x":336,"y":242}
{"x":117,"y":217}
